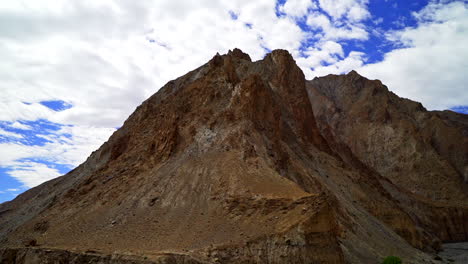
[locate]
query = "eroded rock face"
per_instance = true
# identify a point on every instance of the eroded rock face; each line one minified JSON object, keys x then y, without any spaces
{"x":422,"y":153}
{"x":425,"y":152}
{"x":234,"y":162}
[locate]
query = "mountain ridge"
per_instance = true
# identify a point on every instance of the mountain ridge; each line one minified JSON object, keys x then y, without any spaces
{"x":241,"y":161}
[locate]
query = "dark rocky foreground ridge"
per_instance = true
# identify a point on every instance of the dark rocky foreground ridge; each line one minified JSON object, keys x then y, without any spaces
{"x":247,"y":162}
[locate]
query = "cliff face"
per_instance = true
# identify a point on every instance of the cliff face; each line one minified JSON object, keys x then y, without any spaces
{"x":247,"y":162}
{"x":425,"y":152}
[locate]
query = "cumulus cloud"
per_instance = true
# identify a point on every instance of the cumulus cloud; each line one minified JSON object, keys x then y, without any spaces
{"x":354,"y":60}
{"x":297,"y":8}
{"x":12,"y":108}
{"x":351,"y":9}
{"x":431,"y":65}
{"x":32,"y":173}
{"x":329,"y":52}
{"x":336,"y":30}
{"x":69,"y":146}
{"x":342,"y":21}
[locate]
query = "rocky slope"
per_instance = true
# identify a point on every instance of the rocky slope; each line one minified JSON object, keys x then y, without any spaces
{"x":395,"y":136}
{"x":247,"y":162}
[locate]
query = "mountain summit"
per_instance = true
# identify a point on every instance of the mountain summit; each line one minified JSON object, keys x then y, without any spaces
{"x":248,"y":162}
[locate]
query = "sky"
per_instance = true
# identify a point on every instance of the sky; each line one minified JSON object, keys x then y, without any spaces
{"x":71,"y":72}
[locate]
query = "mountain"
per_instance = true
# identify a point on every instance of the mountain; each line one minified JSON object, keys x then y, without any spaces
{"x":248,"y":162}
{"x":426,"y":152}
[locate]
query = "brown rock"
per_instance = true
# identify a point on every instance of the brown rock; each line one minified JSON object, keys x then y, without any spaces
{"x":247,"y":162}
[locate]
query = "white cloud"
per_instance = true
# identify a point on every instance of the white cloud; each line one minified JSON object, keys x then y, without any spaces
{"x":297,"y":8}
{"x":432,"y":66}
{"x":353,"y":61}
{"x":328,"y":52}
{"x":355,"y":10}
{"x":317,"y":20}
{"x":12,"y":108}
{"x":378,"y":21}
{"x":13,"y":190}
{"x":32,"y":173}
{"x":327,"y":55}
{"x":9,"y":134}
{"x":333,"y":48}
{"x":358,"y":13}
{"x":70,"y":146}
{"x":19,"y":125}
{"x":336,"y":30}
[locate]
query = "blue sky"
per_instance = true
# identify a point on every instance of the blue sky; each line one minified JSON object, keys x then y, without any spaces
{"x":34,"y":134}
{"x":71,"y":72}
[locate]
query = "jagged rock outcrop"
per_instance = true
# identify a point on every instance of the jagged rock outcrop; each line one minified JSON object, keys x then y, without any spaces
{"x":247,"y":162}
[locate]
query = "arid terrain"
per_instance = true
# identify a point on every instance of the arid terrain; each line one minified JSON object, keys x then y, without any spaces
{"x":249,"y":162}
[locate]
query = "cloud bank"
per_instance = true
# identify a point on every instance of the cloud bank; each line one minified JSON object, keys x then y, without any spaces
{"x":431,"y":64}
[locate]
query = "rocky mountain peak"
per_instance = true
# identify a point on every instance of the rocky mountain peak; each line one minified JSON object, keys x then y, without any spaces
{"x":281,"y":57}
{"x":248,"y":162}
{"x":237,"y":53}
